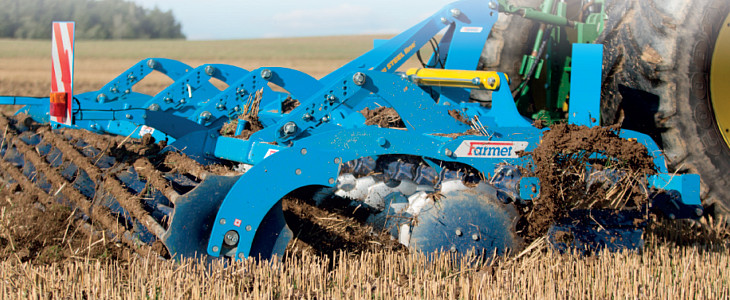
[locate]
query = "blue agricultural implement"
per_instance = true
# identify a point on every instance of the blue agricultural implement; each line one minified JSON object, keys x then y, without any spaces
{"x":456,"y":175}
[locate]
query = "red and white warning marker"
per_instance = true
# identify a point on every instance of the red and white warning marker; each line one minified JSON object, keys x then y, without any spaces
{"x":62,"y":73}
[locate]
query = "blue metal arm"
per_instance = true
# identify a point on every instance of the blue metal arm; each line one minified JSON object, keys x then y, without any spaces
{"x":119,"y":88}
{"x":16,"y":100}
{"x":194,"y":89}
{"x":419,"y":113}
{"x":473,"y":19}
{"x":229,"y":103}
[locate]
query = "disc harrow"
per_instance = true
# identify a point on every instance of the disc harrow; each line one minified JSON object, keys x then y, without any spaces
{"x":441,"y":172}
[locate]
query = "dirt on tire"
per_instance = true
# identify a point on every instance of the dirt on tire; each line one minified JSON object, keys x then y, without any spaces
{"x":657,"y":80}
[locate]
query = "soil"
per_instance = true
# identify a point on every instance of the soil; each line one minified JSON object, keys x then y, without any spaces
{"x":229,"y":128}
{"x":326,"y":229}
{"x":560,"y":160}
{"x":289,"y":104}
{"x":385,"y":117}
{"x":252,"y":126}
{"x":31,"y":231}
{"x":33,"y":218}
{"x":454,"y":113}
{"x":459,"y":134}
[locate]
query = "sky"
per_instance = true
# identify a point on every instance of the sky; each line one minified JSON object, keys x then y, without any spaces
{"x":246,"y":19}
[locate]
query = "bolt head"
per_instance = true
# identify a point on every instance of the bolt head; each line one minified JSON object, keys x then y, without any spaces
{"x":672,"y":216}
{"x":128,"y":116}
{"x":248,"y":228}
{"x":215,"y":249}
{"x":241,"y":256}
{"x":101,"y":98}
{"x":455,"y":12}
{"x":448,"y":152}
{"x":359,"y":78}
{"x":698,"y":212}
{"x":459,"y":233}
{"x":382,"y":141}
{"x":475,"y":237}
{"x":168,"y":100}
{"x":491,"y":81}
{"x":231,"y":238}
{"x":205,"y":116}
{"x":493,"y":5}
{"x":444,"y":20}
{"x":453,"y":249}
{"x":222,"y":222}
{"x":151,"y":63}
{"x":209,"y":70}
{"x":131,"y":76}
{"x":476,"y":81}
{"x":307,"y":117}
{"x":266,"y":74}
{"x":325,"y":119}
{"x":154,"y":107}
{"x":289,"y":128}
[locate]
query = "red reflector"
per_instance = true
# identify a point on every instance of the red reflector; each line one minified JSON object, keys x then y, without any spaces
{"x":58,"y":104}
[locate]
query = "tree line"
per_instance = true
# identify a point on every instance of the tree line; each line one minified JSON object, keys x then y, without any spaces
{"x":95,"y":19}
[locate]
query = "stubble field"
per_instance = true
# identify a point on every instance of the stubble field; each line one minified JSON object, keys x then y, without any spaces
{"x":680,"y":260}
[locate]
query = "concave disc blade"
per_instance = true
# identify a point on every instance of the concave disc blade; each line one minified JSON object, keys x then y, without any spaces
{"x":466,"y":220}
{"x":193,"y":217}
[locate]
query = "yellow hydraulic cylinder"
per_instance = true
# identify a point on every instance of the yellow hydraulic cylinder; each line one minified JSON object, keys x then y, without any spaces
{"x":486,"y":80}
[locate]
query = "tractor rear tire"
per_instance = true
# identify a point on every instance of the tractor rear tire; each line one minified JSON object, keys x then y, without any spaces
{"x":657,"y":64}
{"x":507,"y":43}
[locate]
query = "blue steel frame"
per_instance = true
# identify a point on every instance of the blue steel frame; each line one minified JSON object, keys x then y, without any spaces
{"x":315,"y":160}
